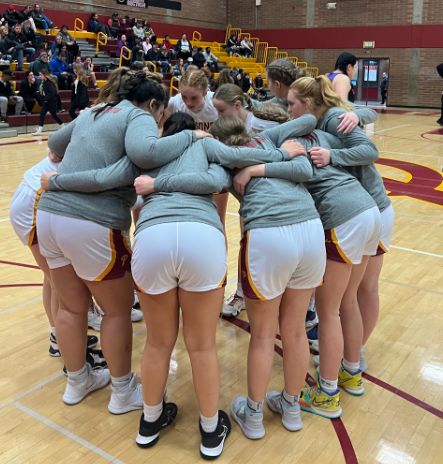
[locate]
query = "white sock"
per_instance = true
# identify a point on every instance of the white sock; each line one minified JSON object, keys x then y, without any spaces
{"x":121,"y":383}
{"x":329,"y":386}
{"x":350,"y":366}
{"x":311,"y":306}
{"x":239,"y":291}
{"x":53,"y":331}
{"x":362,"y":350}
{"x":79,"y":376}
{"x":253,"y":406}
{"x":209,"y":424}
{"x":152,"y":413}
{"x":289,"y":399}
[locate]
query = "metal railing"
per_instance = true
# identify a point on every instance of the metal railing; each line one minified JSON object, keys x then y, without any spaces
{"x":125,"y":57}
{"x":294,"y":59}
{"x":173,"y":87}
{"x":282,"y":55}
{"x":78,"y":26}
{"x":152,"y":64}
{"x":272,"y":55}
{"x":196,"y":36}
{"x":262,"y":52}
{"x":312,"y":70}
{"x":302,"y":64}
{"x":255,"y":41}
{"x":99,"y":42}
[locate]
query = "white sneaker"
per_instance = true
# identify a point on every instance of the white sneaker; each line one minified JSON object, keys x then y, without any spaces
{"x":96,"y":380}
{"x":136,"y":315}
{"x":39,"y":131}
{"x":131,"y":400}
{"x":233,"y":306}
{"x":250,"y":422}
{"x":314,"y":345}
{"x":95,"y":317}
{"x":316,"y":360}
{"x":290,"y":415}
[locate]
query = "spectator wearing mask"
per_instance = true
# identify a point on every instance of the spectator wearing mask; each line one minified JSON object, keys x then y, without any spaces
{"x":138,"y":31}
{"x":179,"y":68}
{"x":79,"y":94}
{"x":88,"y":66}
{"x":198,"y":58}
{"x":7,"y":95}
{"x":247,"y":47}
{"x":68,"y":40}
{"x":40,"y":20}
{"x":19,"y":38}
{"x":211,"y":59}
{"x":146,"y":46}
{"x":114,"y":25}
{"x":60,"y":70}
{"x":96,"y":26}
{"x":29,"y":91}
{"x":11,"y":16}
{"x":258,"y":85}
{"x":168,"y":45}
{"x":137,"y":55}
{"x":50,"y":96}
{"x":184,"y":48}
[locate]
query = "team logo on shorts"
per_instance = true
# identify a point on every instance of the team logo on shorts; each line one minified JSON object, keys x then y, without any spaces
{"x":124,"y":258}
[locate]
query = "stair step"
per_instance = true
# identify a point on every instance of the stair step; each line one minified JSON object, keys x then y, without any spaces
{"x":7,"y":132}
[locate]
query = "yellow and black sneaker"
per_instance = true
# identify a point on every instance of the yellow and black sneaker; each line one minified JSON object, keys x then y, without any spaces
{"x":317,"y":401}
{"x":352,"y":383}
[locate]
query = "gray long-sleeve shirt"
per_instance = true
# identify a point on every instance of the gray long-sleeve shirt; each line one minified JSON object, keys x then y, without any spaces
{"x":89,"y":144}
{"x":356,"y":144}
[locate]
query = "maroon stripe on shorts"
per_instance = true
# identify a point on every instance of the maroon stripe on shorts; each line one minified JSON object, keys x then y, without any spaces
{"x":247,"y":288}
{"x":123,"y":253}
{"x":332,"y":252}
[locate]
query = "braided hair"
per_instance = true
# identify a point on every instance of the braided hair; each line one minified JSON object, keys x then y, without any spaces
{"x":285,"y":71}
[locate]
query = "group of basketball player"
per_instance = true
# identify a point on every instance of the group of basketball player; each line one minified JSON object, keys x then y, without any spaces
{"x":304,"y":178}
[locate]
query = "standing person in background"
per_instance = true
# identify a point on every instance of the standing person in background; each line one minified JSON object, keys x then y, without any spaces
{"x":95,"y":26}
{"x":114,"y":25}
{"x":384,"y":88}
{"x":29,"y":91}
{"x":79,"y":95}
{"x":211,"y":59}
{"x":68,"y":40}
{"x":345,"y":69}
{"x":440,"y":72}
{"x":49,"y":92}
{"x":41,"y":21}
{"x":7,"y":95}
{"x":184,"y":48}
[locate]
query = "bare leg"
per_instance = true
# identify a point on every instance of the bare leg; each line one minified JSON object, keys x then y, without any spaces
{"x":200,"y":316}
{"x":263,"y":320}
{"x":350,"y":316}
{"x":368,"y":299}
{"x":93,"y":78}
{"x":161,"y":314}
{"x":293,"y":307}
{"x":327,"y":299}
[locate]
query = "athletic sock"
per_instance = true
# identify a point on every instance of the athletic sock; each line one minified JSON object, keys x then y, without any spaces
{"x":121,"y":384}
{"x":329,"y":386}
{"x":54,"y":344}
{"x":288,"y":399}
{"x":351,"y":367}
{"x":239,"y":291}
{"x":311,"y":306}
{"x":53,"y":331}
{"x":209,"y":424}
{"x":362,"y":350}
{"x":80,"y":375}
{"x":253,"y":406}
{"x":152,"y":413}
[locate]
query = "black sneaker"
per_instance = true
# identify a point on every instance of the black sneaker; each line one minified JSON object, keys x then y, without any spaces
{"x":312,"y":334}
{"x":212,"y":443}
{"x":311,"y":319}
{"x":440,"y":122}
{"x":95,"y":359}
{"x":92,"y":341}
{"x":54,"y":352}
{"x":2,"y":119}
{"x":149,"y":432}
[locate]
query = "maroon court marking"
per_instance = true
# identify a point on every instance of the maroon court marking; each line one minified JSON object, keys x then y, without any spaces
{"x":22,"y":141}
{"x":339,"y":427}
{"x":21,"y":285}
{"x":19,"y":264}
{"x":438,"y":131}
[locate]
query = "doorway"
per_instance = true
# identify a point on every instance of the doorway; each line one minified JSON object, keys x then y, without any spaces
{"x":368,"y":79}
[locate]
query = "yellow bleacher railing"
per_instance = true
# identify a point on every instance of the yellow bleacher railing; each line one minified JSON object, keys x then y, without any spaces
{"x":272,"y":55}
{"x":282,"y":55}
{"x":255,"y":42}
{"x":121,"y":55}
{"x":302,"y":64}
{"x":228,"y":33}
{"x":173,"y":87}
{"x":262,"y":52}
{"x":312,"y":70}
{"x":294,"y":59}
{"x":196,"y":36}
{"x":78,"y":26}
{"x":152,"y":64}
{"x":99,"y":42}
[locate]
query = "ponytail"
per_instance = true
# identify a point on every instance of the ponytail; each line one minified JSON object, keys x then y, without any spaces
{"x":111,"y":86}
{"x":231,"y":131}
{"x":271,"y":112}
{"x":319,"y":92}
{"x":51,"y":79}
{"x":285,"y":71}
{"x":231,"y":93}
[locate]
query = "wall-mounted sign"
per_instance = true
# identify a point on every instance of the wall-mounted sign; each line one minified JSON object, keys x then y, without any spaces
{"x":165,"y":4}
{"x":367,"y":44}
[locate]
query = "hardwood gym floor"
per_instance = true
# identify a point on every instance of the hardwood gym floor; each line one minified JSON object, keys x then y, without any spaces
{"x":399,"y":420}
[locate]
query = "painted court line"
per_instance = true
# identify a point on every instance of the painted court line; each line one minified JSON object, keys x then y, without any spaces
{"x":20,"y":305}
{"x":417,"y":251}
{"x":12,"y":263}
{"x":412,"y":287}
{"x":4,"y":220}
{"x":69,"y":434}
{"x":39,"y":385}
{"x":388,"y":129}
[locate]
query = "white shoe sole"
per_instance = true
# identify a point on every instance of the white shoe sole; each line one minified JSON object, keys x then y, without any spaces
{"x":291,"y":426}
{"x":147,"y":442}
{"x":251,"y":434}
{"x":212,"y":453}
{"x":125,"y":409}
{"x":70,"y":400}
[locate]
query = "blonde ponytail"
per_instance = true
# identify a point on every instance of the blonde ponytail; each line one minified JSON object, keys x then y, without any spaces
{"x":271,"y":112}
{"x":319,"y":92}
{"x":231,"y":131}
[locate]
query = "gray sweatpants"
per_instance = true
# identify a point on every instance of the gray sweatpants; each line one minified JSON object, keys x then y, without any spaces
{"x":4,"y":102}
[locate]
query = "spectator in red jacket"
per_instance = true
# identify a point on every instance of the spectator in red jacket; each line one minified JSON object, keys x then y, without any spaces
{"x":169,"y":45}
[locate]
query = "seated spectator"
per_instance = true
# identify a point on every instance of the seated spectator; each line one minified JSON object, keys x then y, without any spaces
{"x":247,"y":47}
{"x":179,"y":68}
{"x":190,"y":62}
{"x":155,"y":56}
{"x":41,"y":64}
{"x":238,"y":79}
{"x":184,"y":48}
{"x":146,"y":45}
{"x":137,"y":55}
{"x":149,"y":32}
{"x":258,"y":85}
{"x":18,"y":37}
{"x":60,"y":70}
{"x":2,"y":21}
{"x":247,"y":84}
{"x":56,"y":45}
{"x":12,"y":50}
{"x":29,"y":34}
{"x":165,"y":56}
{"x":123,"y":42}
{"x":130,"y":22}
{"x":68,"y":40}
{"x":7,"y":95}
{"x":29,"y":91}
{"x":138,"y":31}
{"x":4,"y":31}
{"x":169,"y":45}
{"x":69,"y":57}
{"x":198,"y":58}
{"x":211,"y":59}
{"x":26,"y":15}
{"x":79,"y":94}
{"x":41,"y":21}
{"x":125,"y":29}
{"x":11,"y":16}
{"x":78,"y":60}
{"x":232,"y":46}
{"x":88,"y":66}
{"x":114,"y":25}
{"x":96,"y":26}
{"x":225,"y":77}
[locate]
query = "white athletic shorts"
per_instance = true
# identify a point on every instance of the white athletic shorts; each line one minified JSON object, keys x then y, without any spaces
{"x":189,"y":255}
{"x":355,"y":238}
{"x":23,"y":212}
{"x":387,"y":228}
{"x":275,"y":258}
{"x":95,"y":252}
